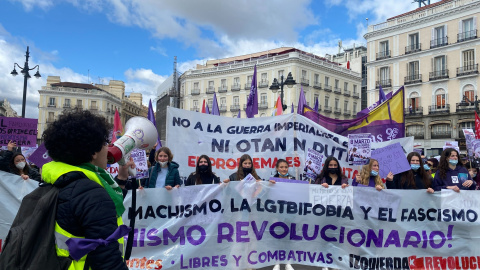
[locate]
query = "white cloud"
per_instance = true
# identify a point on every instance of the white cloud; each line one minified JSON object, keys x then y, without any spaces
{"x":143,"y":81}
{"x":160,"y":50}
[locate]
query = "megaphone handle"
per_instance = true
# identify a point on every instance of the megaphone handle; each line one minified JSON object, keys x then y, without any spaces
{"x":131,"y":172}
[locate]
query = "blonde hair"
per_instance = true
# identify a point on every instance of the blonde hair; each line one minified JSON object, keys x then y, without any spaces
{"x":365,"y":174}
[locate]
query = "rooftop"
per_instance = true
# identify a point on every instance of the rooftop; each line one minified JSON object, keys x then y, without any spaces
{"x":75,"y":85}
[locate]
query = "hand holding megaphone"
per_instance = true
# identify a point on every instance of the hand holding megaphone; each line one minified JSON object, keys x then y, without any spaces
{"x":140,"y":133}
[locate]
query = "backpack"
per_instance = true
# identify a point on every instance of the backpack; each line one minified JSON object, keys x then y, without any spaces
{"x":30,"y":243}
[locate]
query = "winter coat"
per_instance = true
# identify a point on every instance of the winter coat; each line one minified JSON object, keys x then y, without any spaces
{"x":5,"y":166}
{"x":173,"y":176}
{"x":449,"y":180}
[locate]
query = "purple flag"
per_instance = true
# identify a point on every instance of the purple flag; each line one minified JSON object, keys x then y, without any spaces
{"x":381,"y":99}
{"x":40,"y":156}
{"x":215,"y":110}
{"x":315,"y":108}
{"x":381,"y":95}
{"x":293,"y":108}
{"x":151,"y":117}
{"x":252,"y":102}
{"x":207,"y":110}
{"x":302,"y":101}
{"x":239,"y":115}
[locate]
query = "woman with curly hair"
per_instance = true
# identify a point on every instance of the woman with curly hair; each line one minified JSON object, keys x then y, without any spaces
{"x":203,"y":173}
{"x":90,"y":202}
{"x":416,"y":178}
{"x":331,"y":174}
{"x":451,"y":174}
{"x":245,"y":167}
{"x":15,"y":163}
{"x":369,"y":177}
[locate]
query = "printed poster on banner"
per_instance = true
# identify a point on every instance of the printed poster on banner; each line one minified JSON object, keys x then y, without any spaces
{"x":140,"y":158}
{"x":451,"y":144}
{"x":469,"y":137}
{"x":313,"y":165}
{"x":476,"y":148}
{"x":359,"y":148}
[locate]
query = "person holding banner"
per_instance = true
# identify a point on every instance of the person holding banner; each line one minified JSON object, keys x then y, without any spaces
{"x":332,"y":174}
{"x":203,"y":173}
{"x":282,"y":170}
{"x":245,"y":167}
{"x":451,"y":174}
{"x":15,"y":162}
{"x":369,"y":177}
{"x":416,"y":178}
{"x":165,"y":172}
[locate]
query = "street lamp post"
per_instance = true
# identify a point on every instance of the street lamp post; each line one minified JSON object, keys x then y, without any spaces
{"x":289,"y":82}
{"x":24,"y":70}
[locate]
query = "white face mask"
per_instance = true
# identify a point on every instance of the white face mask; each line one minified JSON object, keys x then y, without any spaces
{"x":163,"y":164}
{"x":20,"y":165}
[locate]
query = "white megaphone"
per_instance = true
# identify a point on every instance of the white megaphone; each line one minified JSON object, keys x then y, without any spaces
{"x":139,"y":133}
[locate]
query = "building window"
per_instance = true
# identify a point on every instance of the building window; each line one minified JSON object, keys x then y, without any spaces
{"x":467,"y":125}
{"x":336,"y":103}
{"x":384,"y":51}
{"x":264,"y":76}
{"x":467,"y":30}
{"x":468,"y":60}
{"x":315,"y":97}
{"x":51,"y":117}
{"x":336,"y":83}
{"x":304,"y":74}
{"x":439,"y":37}
{"x":417,"y":131}
{"x":51,"y":102}
{"x":223,"y":101}
{"x":236,"y":100}
{"x":280,"y":74}
{"x":93,"y":105}
{"x":414,"y":101}
{"x":210,"y":104}
{"x":345,"y":104}
{"x":354,"y":108}
{"x":439,"y":63}
{"x":195,"y":86}
{"x":224,"y":83}
{"x":441,"y":131}
{"x":345,"y":86}
{"x":354,"y":88}
{"x":469,"y":93}
{"x":326,"y":80}
{"x":413,"y":41}
{"x":326,"y":101}
{"x":440,"y":98}
{"x":236,"y":81}
{"x":249,"y":79}
{"x":317,"y":78}
{"x":195,"y":104}
{"x":67,"y":103}
{"x":263,"y":98}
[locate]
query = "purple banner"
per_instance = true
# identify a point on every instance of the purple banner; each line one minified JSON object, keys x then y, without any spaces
{"x":23,"y":131}
{"x":391,"y":158}
{"x":40,"y":156}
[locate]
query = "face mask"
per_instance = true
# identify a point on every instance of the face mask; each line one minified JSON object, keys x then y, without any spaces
{"x":163,"y":164}
{"x":283,"y":175}
{"x":415,"y":166}
{"x":373,"y":173}
{"x":20,"y":165}
{"x":332,"y":170}
{"x":203,"y":168}
{"x":453,"y":161}
{"x":246,"y":171}
{"x":474,"y":175}
{"x":425,"y":166}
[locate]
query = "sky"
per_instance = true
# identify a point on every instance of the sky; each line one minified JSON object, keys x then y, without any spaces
{"x":93,"y":41}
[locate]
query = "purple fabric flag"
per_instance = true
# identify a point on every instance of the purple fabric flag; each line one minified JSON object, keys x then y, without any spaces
{"x":207,"y":110}
{"x":381,"y":99}
{"x":239,"y":115}
{"x":151,"y":117}
{"x":215,"y":110}
{"x":252,"y":102}
{"x":293,"y":108}
{"x":315,"y":108}
{"x":381,"y":95}
{"x":302,"y":101}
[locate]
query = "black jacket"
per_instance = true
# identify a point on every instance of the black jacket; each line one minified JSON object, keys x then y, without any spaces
{"x":85,"y":209}
{"x":213,"y":179}
{"x":397,"y":182}
{"x":5,"y":166}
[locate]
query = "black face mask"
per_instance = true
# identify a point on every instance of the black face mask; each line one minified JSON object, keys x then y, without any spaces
{"x":246,"y":171}
{"x":203,"y":168}
{"x":332,"y":170}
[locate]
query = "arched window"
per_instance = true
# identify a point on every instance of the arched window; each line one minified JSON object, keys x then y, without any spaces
{"x":414,"y":101}
{"x":440,"y":98}
{"x":469,"y":93}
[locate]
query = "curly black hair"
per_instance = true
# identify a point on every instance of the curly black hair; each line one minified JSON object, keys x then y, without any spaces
{"x":76,"y":136}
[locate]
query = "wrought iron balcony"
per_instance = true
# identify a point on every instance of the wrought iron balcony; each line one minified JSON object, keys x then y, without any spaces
{"x":337,"y":90}
{"x":347,"y":112}
{"x":304,"y":82}
{"x":467,"y":70}
{"x":346,"y":92}
{"x":195,"y":91}
{"x":222,"y":108}
{"x":210,"y":90}
{"x":52,"y":105}
{"x":434,"y":109}
{"x":66,"y":105}
{"x":465,"y":107}
{"x":263,"y":84}
{"x":383,"y":55}
{"x":80,"y":107}
{"x":384,"y":83}
{"x":441,"y":134}
{"x":415,"y":78}
{"x":337,"y":111}
{"x":439,"y":42}
{"x":93,"y":108}
{"x":222,"y":89}
{"x":317,"y":85}
{"x":263,"y":105}
{"x":417,"y":135}
{"x":248,"y":86}
{"x":236,"y":87}
{"x":438,"y":75}
{"x":235,"y":108}
{"x":327,"y":88}
{"x":356,"y":95}
{"x":467,"y":35}
{"x":413,"y":48}
{"x":327,"y":109}
{"x":416,"y":111}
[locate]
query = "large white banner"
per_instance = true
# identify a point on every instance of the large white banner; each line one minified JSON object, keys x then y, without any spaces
{"x":250,"y":224}
{"x":265,"y":139}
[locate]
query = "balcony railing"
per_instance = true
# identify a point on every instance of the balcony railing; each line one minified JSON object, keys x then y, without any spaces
{"x":263,"y":84}
{"x":356,"y":95}
{"x":327,"y":88}
{"x":222,"y":89}
{"x":415,"y":78}
{"x":263,"y":105}
{"x":467,"y":70}
{"x":347,"y":112}
{"x":417,"y":135}
{"x":434,"y":109}
{"x":413,"y":48}
{"x":195,"y":91}
{"x":441,"y":134}
{"x":80,"y":107}
{"x":465,"y":107}
{"x":438,"y":75}
{"x":108,"y":110}
{"x":337,"y":90}
{"x":248,"y":86}
{"x":210,"y":90}
{"x":235,"y":108}
{"x":468,"y":35}
{"x":319,"y":108}
{"x":66,"y":105}
{"x":317,"y":85}
{"x":327,"y":109}
{"x":439,"y":42}
{"x":415,"y":111}
{"x":304,"y":82}
{"x":337,"y":111}
{"x":383,"y":55}
{"x":52,"y":105}
{"x":50,"y":120}
{"x":93,"y":108}
{"x":346,"y":92}
{"x":194,"y":109}
{"x":222,"y":108}
{"x":236,"y":87}
{"x":384,"y":83}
